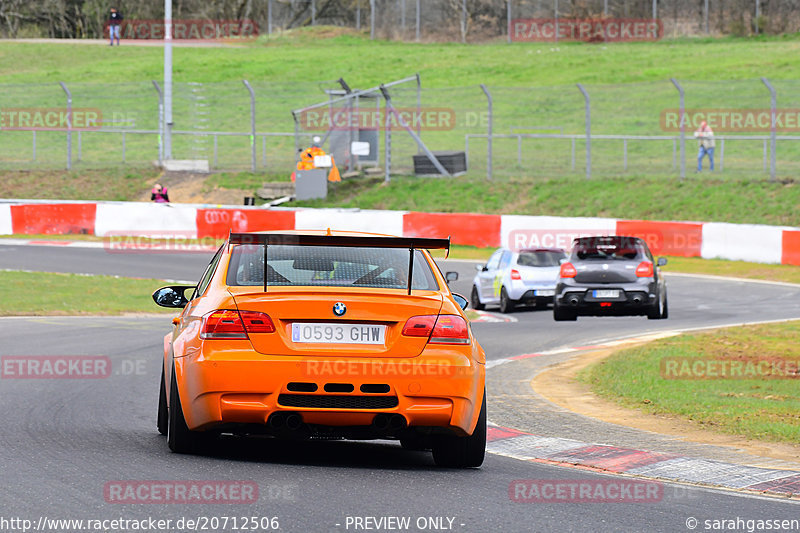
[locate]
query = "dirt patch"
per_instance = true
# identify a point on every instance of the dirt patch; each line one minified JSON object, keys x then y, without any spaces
{"x":560,"y":386}
{"x":189,"y":188}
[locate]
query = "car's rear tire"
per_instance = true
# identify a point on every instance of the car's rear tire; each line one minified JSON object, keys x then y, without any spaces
{"x":180,"y":438}
{"x":659,"y":310}
{"x":475,"y":300}
{"x":563,"y":315}
{"x":506,"y":304}
{"x":163,"y":412}
{"x":462,"y":452}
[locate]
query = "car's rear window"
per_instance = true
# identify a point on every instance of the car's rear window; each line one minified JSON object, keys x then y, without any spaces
{"x":606,"y":248}
{"x":542,"y":258}
{"x":328,"y":266}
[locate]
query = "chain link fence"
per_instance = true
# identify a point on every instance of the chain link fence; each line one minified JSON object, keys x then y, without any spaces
{"x":536,"y":132}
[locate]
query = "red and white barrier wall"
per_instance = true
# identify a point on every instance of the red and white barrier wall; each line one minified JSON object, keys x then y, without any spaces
{"x":746,"y":242}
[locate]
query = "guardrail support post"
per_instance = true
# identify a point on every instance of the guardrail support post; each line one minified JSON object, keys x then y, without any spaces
{"x":773,"y":105}
{"x":682,"y":119}
{"x":588,"y":131}
{"x":252,"y":125}
{"x":160,"y":122}
{"x":69,"y":124}
{"x":489,"y":139}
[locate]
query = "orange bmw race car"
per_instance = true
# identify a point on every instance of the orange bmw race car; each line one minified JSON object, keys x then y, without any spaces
{"x":326,"y":335}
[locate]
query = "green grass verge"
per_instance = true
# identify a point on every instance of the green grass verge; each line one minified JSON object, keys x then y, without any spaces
{"x":765,"y":408}
{"x":441,"y":64}
{"x":640,"y":197}
{"x":40,"y":293}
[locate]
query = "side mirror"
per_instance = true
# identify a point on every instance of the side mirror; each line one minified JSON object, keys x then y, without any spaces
{"x":662,"y":261}
{"x":173,"y":296}
{"x":480,"y":268}
{"x":451,"y":276}
{"x":460,"y":300}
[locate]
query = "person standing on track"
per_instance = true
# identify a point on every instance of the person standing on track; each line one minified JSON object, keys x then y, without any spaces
{"x":114,"y":20}
{"x":706,"y":138}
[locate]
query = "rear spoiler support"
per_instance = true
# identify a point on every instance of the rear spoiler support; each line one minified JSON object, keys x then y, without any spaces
{"x":288,"y":239}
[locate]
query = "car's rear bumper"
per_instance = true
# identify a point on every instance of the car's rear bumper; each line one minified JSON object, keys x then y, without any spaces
{"x":241,"y":387}
{"x":632,"y":299}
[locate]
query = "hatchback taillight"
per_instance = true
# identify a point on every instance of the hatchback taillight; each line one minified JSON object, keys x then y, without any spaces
{"x":644,"y":270}
{"x":232,"y":324}
{"x":441,"y":329}
{"x":515,"y":274}
{"x":568,"y":270}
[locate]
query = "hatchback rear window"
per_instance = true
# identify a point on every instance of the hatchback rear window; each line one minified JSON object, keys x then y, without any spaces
{"x":328,"y":266}
{"x":608,"y":248}
{"x":540,"y":258}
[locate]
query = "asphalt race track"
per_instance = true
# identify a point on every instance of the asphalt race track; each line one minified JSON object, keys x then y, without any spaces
{"x":65,"y":440}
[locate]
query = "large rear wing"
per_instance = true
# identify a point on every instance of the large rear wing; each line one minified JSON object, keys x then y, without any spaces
{"x":366,"y":241}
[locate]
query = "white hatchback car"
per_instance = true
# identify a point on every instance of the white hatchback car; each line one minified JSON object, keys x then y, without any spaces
{"x":511,"y":278}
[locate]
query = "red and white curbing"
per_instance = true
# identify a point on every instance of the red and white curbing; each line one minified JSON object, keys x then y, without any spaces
{"x":757,"y":243}
{"x":668,"y":467}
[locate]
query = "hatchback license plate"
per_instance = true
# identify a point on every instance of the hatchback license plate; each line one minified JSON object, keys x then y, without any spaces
{"x":331,"y":333}
{"x":606,"y":294}
{"x":544,"y":292}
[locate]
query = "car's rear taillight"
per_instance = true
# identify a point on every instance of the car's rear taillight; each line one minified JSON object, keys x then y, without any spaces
{"x":441,"y":329}
{"x":419,"y":326}
{"x":232,"y":324}
{"x":568,"y":270}
{"x":644,"y":270}
{"x":515,"y":274}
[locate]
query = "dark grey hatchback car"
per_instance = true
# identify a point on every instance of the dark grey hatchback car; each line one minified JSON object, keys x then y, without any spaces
{"x":611,"y":276}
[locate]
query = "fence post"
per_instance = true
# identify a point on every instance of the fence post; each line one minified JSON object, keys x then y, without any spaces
{"x":655,"y":9}
{"x":269,"y":17}
{"x":463,"y":21}
{"x":69,"y":124}
{"x":489,"y":138}
{"x":705,"y":15}
{"x":358,"y":15}
{"x":34,"y":146}
{"x":313,"y":12}
{"x":160,"y":122}
{"x":588,"y":131}
{"x":773,"y":104}
{"x":372,"y":19}
{"x":555,"y":14}
{"x":508,"y":20}
{"x":682,"y":118}
{"x":403,"y":17}
{"x":758,"y":14}
{"x":605,"y":7}
{"x":419,"y":109}
{"x":387,"y":142}
{"x":252,"y":125}
{"x":419,"y":19}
